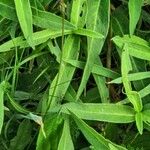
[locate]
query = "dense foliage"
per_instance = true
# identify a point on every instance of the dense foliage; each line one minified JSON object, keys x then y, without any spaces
{"x":74,"y":74}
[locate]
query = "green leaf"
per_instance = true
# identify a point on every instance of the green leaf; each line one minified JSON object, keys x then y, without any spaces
{"x":2,"y":90}
{"x":23,"y":137}
{"x":139,"y":122}
{"x":88,"y":33}
{"x":135,"y":99}
{"x":17,"y":106}
{"x":97,"y":69}
{"x":133,"y":77}
{"x":134,"y":13}
{"x":70,"y":50}
{"x":136,"y":46}
{"x":8,"y":10}
{"x":24,"y":15}
{"x":38,"y":38}
{"x":52,"y":128}
{"x":146,"y":112}
{"x":94,"y":19}
{"x":101,"y":112}
{"x":65,"y":140}
{"x":49,"y":20}
{"x":94,"y":138}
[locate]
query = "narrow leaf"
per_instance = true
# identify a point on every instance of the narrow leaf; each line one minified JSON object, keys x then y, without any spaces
{"x":65,"y":140}
{"x":139,"y":122}
{"x":24,"y":15}
{"x":134,"y":13}
{"x":94,"y":138}
{"x":2,"y":89}
{"x":101,"y":112}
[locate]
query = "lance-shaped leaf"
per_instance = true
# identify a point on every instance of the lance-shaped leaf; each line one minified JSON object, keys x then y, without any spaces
{"x":133,"y":77}
{"x":24,"y":15}
{"x":101,"y":112}
{"x":94,"y":20}
{"x":136,"y":46}
{"x":134,"y":13}
{"x":70,"y":51}
{"x":2,"y":89}
{"x":65,"y":140}
{"x":94,"y":138}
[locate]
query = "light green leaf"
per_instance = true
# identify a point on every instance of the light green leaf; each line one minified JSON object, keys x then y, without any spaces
{"x":52,"y":127}
{"x":101,"y":112}
{"x":38,"y":38}
{"x":70,"y":50}
{"x":136,"y":46}
{"x":94,"y":138}
{"x":66,"y":72}
{"x":97,"y":69}
{"x":139,"y":122}
{"x":95,"y":17}
{"x":133,"y":77}
{"x":134,"y":13}
{"x":24,"y":14}
{"x":88,"y":33}
{"x":135,"y":99}
{"x":65,"y":140}
{"x":2,"y":90}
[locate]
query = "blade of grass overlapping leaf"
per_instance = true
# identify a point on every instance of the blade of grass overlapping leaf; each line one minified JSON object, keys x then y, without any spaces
{"x":66,"y":71}
{"x":94,"y":138}
{"x":24,"y":14}
{"x":101,"y":112}
{"x":71,"y":48}
{"x":104,"y":16}
{"x":134,"y":13}
{"x":45,"y":19}
{"x":65,"y":140}
{"x":91,"y":54}
{"x":70,"y":93}
{"x":94,"y":45}
{"x":97,"y":69}
{"x":38,"y":38}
